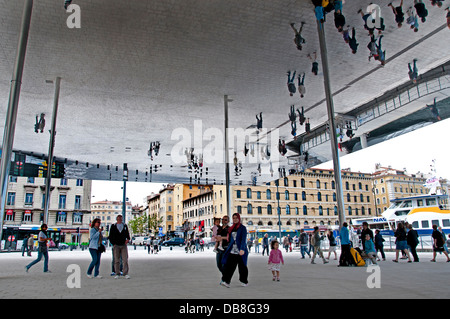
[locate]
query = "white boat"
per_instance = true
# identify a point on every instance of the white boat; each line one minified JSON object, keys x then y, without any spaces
{"x":421,"y":211}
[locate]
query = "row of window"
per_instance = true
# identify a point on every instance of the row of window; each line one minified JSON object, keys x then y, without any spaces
{"x":287,"y":196}
{"x":30,"y":180}
{"x":29,"y":200}
{"x":296,"y":210}
{"x":61,"y":217}
{"x":318,"y":184}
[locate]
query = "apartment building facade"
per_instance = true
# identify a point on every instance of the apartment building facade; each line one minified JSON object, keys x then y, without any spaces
{"x":69,"y":205}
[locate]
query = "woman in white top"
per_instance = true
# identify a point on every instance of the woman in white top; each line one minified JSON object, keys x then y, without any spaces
{"x":42,"y":249}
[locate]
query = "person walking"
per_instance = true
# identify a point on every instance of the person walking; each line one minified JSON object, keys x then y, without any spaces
{"x":316,"y":240}
{"x":412,"y":239}
{"x":236,"y":253}
{"x":42,"y":249}
{"x":413,"y":72}
{"x":304,"y":241}
{"x":119,"y":237}
{"x":95,"y":241}
{"x":30,"y":244}
{"x":333,"y":245}
{"x":400,"y":242}
{"x":257,"y":245}
{"x":25,"y":245}
{"x":379,"y":246}
{"x":275,"y":258}
{"x":438,"y":244}
{"x":265,"y":243}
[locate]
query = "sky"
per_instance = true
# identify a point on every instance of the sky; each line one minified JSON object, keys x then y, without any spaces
{"x":414,"y":151}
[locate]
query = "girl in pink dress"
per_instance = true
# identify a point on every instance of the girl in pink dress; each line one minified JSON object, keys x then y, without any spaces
{"x":275,"y":260}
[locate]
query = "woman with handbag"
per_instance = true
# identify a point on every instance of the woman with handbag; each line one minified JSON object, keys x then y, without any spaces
{"x":95,"y":248}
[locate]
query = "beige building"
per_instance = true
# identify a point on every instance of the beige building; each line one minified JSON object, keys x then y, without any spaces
{"x":108,"y":211}
{"x":69,"y":207}
{"x":306,"y":200}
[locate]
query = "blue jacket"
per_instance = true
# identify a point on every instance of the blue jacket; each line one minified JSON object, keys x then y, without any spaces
{"x":241,"y":241}
{"x":345,"y":240}
{"x":369,"y":247}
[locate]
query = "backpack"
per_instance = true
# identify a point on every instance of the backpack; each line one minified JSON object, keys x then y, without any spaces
{"x":357,"y":257}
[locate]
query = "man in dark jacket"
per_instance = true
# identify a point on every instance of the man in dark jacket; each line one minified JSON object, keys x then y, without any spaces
{"x":119,"y":237}
{"x":412,"y":239}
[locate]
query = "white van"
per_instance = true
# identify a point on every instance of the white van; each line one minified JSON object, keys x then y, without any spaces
{"x":140,"y":240}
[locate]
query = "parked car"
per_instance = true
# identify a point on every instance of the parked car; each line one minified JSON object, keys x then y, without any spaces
{"x":176,"y":241}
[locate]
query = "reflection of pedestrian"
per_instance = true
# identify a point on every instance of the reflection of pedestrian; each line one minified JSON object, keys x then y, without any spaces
{"x":236,"y":253}
{"x":316,"y":240}
{"x":298,"y":40}
{"x":315,"y":64}
{"x":42,"y":249}
{"x":434,"y":110}
{"x":301,"y":85}
{"x":413,"y":71}
{"x":290,"y":83}
{"x":398,"y":12}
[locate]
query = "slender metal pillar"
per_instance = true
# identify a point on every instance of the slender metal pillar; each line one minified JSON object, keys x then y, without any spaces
{"x":51,"y":147}
{"x":11,"y":113}
{"x":227,"y":159}
{"x":124,"y":204}
{"x":330,"y":109}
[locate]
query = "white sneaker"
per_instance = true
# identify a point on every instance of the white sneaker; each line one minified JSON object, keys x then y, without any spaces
{"x":90,"y":276}
{"x":98,"y":277}
{"x":223,"y":283}
{"x":244,"y":284}
{"x":127,"y":277}
{"x":116,"y":277}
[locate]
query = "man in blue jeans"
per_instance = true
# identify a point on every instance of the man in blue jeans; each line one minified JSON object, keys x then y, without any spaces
{"x":304,"y":239}
{"x":42,"y":249}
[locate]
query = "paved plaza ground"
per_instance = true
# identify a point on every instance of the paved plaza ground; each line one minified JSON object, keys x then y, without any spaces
{"x":173,"y":274}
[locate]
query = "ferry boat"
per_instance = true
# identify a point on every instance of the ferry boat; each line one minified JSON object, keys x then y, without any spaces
{"x":421,"y":211}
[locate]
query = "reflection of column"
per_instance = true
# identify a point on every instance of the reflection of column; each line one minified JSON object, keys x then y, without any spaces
{"x":11,"y":113}
{"x":227,"y":157}
{"x":331,"y":117}
{"x":363,"y":139}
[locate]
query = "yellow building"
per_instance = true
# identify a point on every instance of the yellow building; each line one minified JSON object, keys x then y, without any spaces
{"x":389,"y":183}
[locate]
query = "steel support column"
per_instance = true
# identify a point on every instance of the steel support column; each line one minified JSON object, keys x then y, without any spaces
{"x":51,"y":147}
{"x":332,"y":124}
{"x":11,"y":113}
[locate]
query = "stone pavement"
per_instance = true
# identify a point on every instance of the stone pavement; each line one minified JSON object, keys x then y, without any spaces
{"x":173,"y":274}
